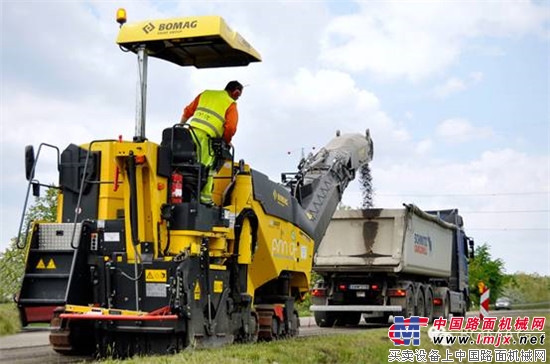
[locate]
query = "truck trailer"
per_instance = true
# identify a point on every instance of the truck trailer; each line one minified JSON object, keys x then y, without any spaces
{"x":391,"y":262}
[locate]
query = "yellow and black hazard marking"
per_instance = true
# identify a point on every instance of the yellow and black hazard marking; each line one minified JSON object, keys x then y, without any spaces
{"x":42,"y":265}
{"x":51,"y":265}
{"x":156,"y":275}
{"x":218,"y":286}
{"x":197,"y":291}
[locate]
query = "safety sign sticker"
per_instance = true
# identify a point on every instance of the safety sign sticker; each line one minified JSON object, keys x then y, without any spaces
{"x":155,"y":275}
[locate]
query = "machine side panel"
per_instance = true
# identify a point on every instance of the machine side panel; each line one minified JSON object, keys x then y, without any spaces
{"x":277,"y":201}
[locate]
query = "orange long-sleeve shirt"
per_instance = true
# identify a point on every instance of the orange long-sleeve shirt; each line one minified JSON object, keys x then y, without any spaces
{"x":231,"y":118}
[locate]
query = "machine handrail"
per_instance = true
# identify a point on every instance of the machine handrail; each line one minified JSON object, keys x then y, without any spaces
{"x":32,"y":181}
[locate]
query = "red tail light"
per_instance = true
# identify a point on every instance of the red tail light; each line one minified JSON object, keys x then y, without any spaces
{"x":318,"y":292}
{"x":397,"y":292}
{"x":374,"y":287}
{"x":438,"y":301}
{"x":342,"y":287}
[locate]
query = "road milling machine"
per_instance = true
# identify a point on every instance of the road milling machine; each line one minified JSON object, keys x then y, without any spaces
{"x":135,"y":264}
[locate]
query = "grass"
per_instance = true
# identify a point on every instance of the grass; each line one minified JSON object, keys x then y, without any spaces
{"x":323,"y":349}
{"x":366,"y":346}
{"x":9,"y":319}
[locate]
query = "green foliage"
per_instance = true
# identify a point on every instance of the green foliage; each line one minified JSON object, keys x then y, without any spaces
{"x":303,"y":307}
{"x":12,"y":264}
{"x":487,"y":270}
{"x":9,"y":319}
{"x":44,"y":208}
{"x":527,"y":288}
{"x":12,"y":260}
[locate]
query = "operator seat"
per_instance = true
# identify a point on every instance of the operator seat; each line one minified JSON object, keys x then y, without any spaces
{"x":178,"y":141}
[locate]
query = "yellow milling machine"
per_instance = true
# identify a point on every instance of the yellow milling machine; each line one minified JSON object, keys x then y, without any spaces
{"x":136,"y":265}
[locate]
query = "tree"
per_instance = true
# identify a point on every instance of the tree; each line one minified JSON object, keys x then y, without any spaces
{"x":487,"y":270}
{"x":12,"y":260}
{"x":527,"y":288}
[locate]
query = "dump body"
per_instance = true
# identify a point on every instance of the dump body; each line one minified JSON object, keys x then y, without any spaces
{"x":387,"y":240}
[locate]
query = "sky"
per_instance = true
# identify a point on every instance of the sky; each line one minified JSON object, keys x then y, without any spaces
{"x":455,"y":95}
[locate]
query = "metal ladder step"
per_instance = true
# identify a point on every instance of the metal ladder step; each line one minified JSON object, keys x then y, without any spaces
{"x":46,"y":275}
{"x":41,"y":301}
{"x":52,"y":251}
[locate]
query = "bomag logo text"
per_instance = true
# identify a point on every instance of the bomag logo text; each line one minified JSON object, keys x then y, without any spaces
{"x":177,"y":25}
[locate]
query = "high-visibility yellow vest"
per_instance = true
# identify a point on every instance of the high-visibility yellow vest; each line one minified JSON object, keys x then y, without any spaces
{"x":210,"y":113}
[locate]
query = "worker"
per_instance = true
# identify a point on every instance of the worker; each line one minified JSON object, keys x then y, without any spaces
{"x":212,"y":114}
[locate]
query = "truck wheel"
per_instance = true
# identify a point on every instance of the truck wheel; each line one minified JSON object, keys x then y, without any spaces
{"x":408,"y":310}
{"x":420,"y":309}
{"x":429,"y":304}
{"x":324,"y":319}
{"x":447,"y":309}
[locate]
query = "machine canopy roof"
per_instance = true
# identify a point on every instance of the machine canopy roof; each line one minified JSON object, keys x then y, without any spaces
{"x":203,"y":42}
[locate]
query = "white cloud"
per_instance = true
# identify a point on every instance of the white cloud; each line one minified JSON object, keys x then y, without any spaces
{"x":458,"y":130}
{"x":476,"y":77}
{"x":418,"y":39}
{"x":424,"y":146}
{"x":455,"y":85}
{"x":452,"y":85}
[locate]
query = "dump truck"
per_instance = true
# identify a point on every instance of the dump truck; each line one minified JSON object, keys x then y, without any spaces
{"x":379,"y":263}
{"x":135,"y":264}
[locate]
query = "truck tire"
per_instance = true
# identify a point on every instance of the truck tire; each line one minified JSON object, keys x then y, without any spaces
{"x":447,"y":308}
{"x":324,"y":319}
{"x":409,"y":309}
{"x":420,"y":308}
{"x":429,"y":303}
